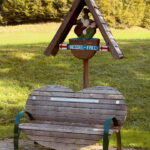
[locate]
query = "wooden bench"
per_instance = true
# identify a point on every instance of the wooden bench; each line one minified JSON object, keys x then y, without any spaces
{"x":64,"y":120}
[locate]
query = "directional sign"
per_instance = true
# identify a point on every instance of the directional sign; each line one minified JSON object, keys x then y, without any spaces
{"x":65,"y":46}
{"x":84,"y":47}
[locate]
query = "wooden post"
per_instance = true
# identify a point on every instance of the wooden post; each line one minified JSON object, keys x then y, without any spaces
{"x":118,"y":135}
{"x":85,"y":73}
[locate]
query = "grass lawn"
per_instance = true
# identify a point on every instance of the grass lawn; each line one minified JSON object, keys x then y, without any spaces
{"x":23,"y":67}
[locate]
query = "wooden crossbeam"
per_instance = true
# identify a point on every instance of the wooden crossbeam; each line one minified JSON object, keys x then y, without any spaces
{"x":106,"y":33}
{"x":65,"y":27}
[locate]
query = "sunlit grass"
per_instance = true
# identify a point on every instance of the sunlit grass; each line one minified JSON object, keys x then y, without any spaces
{"x":132,"y":138}
{"x":23,"y":67}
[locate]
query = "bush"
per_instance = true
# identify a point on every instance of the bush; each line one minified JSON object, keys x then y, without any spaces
{"x":117,"y":13}
{"x":14,"y":11}
{"x":1,"y":19}
{"x":24,"y":11}
{"x":146,"y":20}
{"x":133,"y":12}
{"x":125,"y":12}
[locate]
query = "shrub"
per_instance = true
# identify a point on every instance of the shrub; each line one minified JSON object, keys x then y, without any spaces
{"x":125,"y":12}
{"x":117,"y":13}
{"x":24,"y":11}
{"x":14,"y":11}
{"x":146,"y":20}
{"x":1,"y":19}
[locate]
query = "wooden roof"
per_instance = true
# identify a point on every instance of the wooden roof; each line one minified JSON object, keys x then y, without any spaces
{"x":69,"y":21}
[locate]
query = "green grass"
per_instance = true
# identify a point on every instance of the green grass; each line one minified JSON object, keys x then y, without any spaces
{"x":23,"y":67}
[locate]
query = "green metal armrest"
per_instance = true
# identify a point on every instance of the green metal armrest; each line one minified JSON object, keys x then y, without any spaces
{"x":16,"y":128}
{"x":106,"y":132}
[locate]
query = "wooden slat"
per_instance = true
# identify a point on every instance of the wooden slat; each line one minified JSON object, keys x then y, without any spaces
{"x":78,"y":95}
{"x":75,"y":116}
{"x":62,"y":140}
{"x":75,"y":110}
{"x":73,"y":120}
{"x":98,"y":12}
{"x":62,"y":134}
{"x":64,"y":129}
{"x":101,"y":87}
{"x":117,"y":54}
{"x":72,"y":116}
{"x":68,"y":124}
{"x":114,"y":43}
{"x":101,"y":101}
{"x":42,"y":102}
{"x":101,"y":18}
{"x":99,"y":91}
{"x":88,"y":91}
{"x":118,"y":50}
{"x":105,"y":26}
{"x":58,"y":128}
{"x":94,"y":4}
{"x":65,"y":27}
{"x":61,"y":146}
{"x":110,"y":35}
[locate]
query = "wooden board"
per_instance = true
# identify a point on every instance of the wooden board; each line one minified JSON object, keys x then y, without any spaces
{"x":65,"y":27}
{"x":63,"y":128}
{"x":104,"y":29}
{"x":78,"y":95}
{"x":60,"y":136}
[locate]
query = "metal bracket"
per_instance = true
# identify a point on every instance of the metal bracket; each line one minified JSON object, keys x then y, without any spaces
{"x":106,"y":132}
{"x":16,"y":128}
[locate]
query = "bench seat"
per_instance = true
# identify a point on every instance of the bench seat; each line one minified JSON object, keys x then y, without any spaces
{"x":98,"y":130}
{"x":66,"y":136}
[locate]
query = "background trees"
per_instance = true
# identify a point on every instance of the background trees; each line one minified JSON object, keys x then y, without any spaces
{"x":118,"y":13}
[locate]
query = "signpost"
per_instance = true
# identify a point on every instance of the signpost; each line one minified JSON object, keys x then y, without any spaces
{"x":85,"y":46}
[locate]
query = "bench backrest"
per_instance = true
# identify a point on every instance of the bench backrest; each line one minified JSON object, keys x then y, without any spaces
{"x":88,"y":106}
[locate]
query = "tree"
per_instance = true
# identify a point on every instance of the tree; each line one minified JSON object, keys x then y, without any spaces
{"x":1,"y":1}
{"x":146,"y":20}
{"x":125,"y":12}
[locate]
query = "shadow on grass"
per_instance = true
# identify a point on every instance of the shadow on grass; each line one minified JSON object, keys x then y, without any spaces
{"x":27,"y":67}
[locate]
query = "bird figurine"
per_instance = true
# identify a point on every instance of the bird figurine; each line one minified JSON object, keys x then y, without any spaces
{"x":85,"y":28}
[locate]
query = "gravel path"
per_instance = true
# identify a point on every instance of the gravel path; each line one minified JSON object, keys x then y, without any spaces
{"x":7,"y":144}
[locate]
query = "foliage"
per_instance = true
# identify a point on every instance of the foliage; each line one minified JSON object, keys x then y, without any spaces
{"x":1,"y":1}
{"x":25,"y":11}
{"x":146,"y":20}
{"x":118,"y":13}
{"x":125,"y":12}
{"x":1,"y":19}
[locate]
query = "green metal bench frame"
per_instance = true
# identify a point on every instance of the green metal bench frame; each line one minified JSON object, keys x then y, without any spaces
{"x":16,"y":128}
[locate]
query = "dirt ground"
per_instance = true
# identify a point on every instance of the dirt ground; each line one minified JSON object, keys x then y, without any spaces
{"x":7,"y":144}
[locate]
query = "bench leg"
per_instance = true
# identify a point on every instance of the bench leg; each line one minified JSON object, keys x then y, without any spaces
{"x":16,"y":137}
{"x":118,"y":136}
{"x":16,"y":129}
{"x":106,"y":133}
